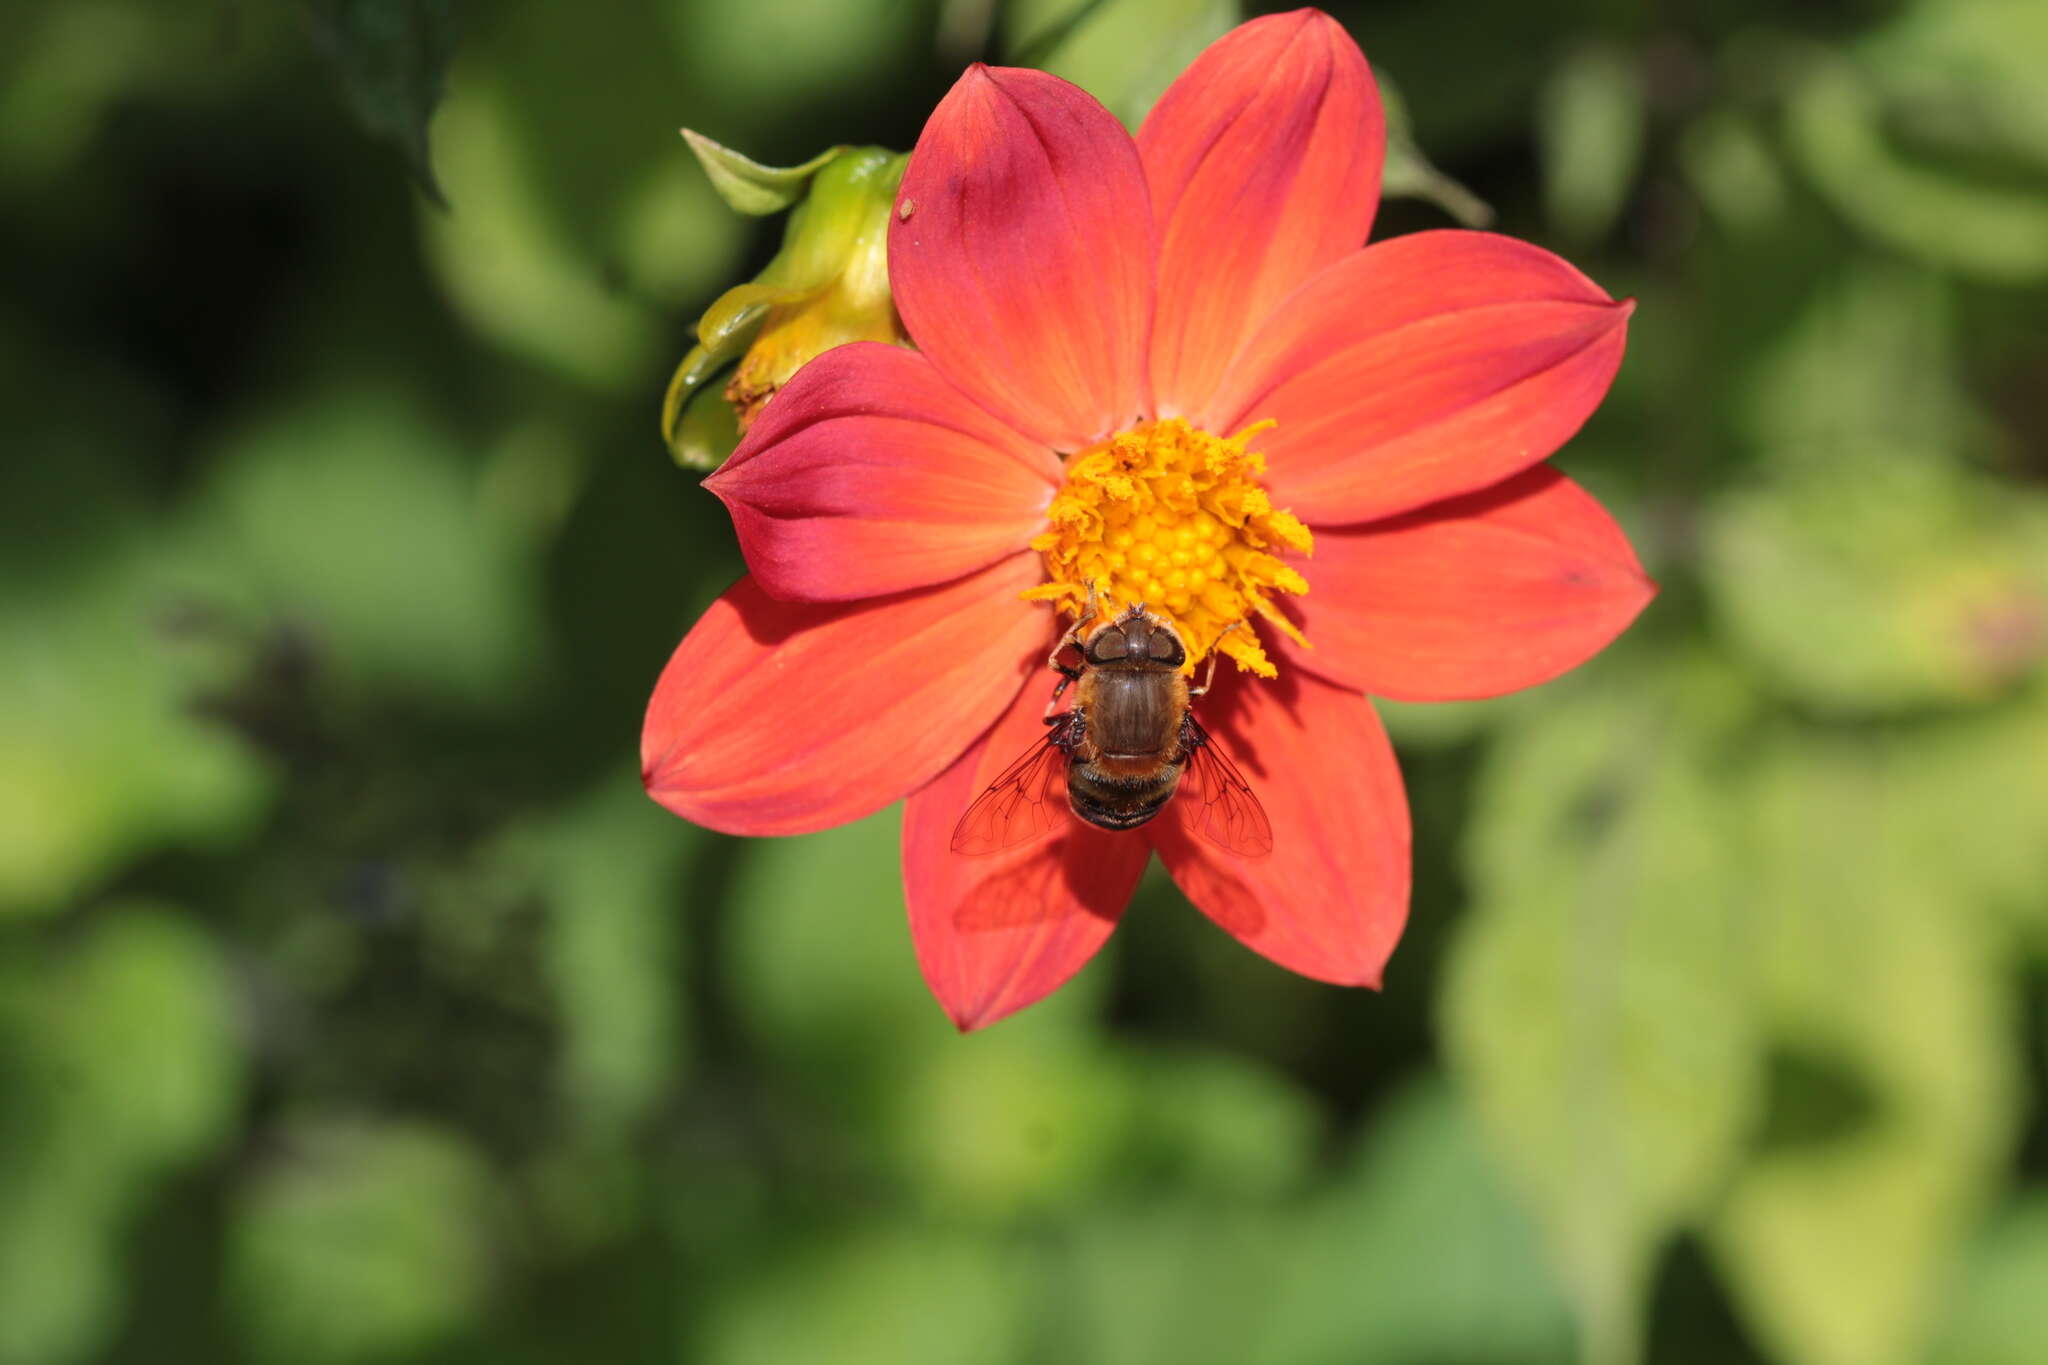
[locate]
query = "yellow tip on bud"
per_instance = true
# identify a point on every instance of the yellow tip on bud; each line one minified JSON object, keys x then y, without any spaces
{"x":829,"y":285}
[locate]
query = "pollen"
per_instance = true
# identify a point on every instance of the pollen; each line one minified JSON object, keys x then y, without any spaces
{"x":1175,"y":518}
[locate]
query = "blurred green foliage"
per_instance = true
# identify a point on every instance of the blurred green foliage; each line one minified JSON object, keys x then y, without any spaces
{"x":356,"y":1007}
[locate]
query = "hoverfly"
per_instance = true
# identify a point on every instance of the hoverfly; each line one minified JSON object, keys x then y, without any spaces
{"x":1127,"y":747}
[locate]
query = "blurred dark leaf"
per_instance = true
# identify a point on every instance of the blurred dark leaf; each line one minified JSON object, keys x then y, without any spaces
{"x":1408,"y":174}
{"x":391,"y":57}
{"x":1812,"y":1100}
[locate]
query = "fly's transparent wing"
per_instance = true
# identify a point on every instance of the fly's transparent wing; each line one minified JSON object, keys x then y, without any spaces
{"x":1215,"y":801}
{"x":1025,"y":803}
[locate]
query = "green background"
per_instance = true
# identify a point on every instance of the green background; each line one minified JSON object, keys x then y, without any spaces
{"x":355,"y":1006}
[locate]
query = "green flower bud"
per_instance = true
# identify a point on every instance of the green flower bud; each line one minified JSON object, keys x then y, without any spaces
{"x":829,"y":285}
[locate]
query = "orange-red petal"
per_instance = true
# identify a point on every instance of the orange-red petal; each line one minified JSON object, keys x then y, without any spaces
{"x":1329,"y":901}
{"x":1020,"y":254}
{"x":1484,"y":594}
{"x":993,"y":934}
{"x":780,"y":718}
{"x":869,"y":474}
{"x":1264,"y":161}
{"x":1421,"y":368}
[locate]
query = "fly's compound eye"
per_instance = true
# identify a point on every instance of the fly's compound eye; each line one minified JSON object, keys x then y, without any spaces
{"x":1166,"y":649}
{"x":1110,"y":644}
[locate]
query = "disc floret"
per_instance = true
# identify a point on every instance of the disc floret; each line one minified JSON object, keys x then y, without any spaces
{"x":1174,"y":517}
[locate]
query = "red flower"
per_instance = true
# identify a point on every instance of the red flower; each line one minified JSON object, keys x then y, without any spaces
{"x":1132,"y":355}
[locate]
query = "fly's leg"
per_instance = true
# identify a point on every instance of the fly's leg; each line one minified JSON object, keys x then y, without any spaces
{"x":1067,"y":675}
{"x":1209,"y":676}
{"x":1071,"y":640}
{"x":1067,"y":641}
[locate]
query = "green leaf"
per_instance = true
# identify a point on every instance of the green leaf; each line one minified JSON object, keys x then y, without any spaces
{"x":703,"y":431}
{"x":821,"y":960}
{"x":359,"y":1243}
{"x":1734,"y":169}
{"x":725,"y":331}
{"x":1178,"y":1279}
{"x":1998,"y":1315}
{"x":1835,"y":126}
{"x":611,"y":867}
{"x":579,"y":235}
{"x":1590,"y":123}
{"x":392,"y":58}
{"x":1594,"y":1012}
{"x":1211,"y":1124}
{"x":769,"y":61}
{"x":1870,"y":359}
{"x":566,"y":250}
{"x":1968,"y":75}
{"x":1438,"y":725}
{"x":331,"y":517}
{"x":145,"y":1010}
{"x":65,"y":69}
{"x":747,"y":185}
{"x":1981,"y":791}
{"x":105,"y":657}
{"x":1869,"y":568}
{"x":105,"y":758}
{"x":915,"y":1295}
{"x":1837,"y":1238}
{"x":1408,"y":174}
{"x":1882,"y":582}
{"x":1353,"y":1287}
{"x":1036,"y":1118}
{"x":1017,"y":1121}
{"x":1412,"y":1253}
{"x":118,"y":1065}
{"x":1024,"y":1116}
{"x":1123,"y":52}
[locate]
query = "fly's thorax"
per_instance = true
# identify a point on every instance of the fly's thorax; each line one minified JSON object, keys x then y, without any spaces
{"x":1135,"y":712}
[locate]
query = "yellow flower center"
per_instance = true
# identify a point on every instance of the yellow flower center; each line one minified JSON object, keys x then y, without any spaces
{"x":1174,"y":518}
